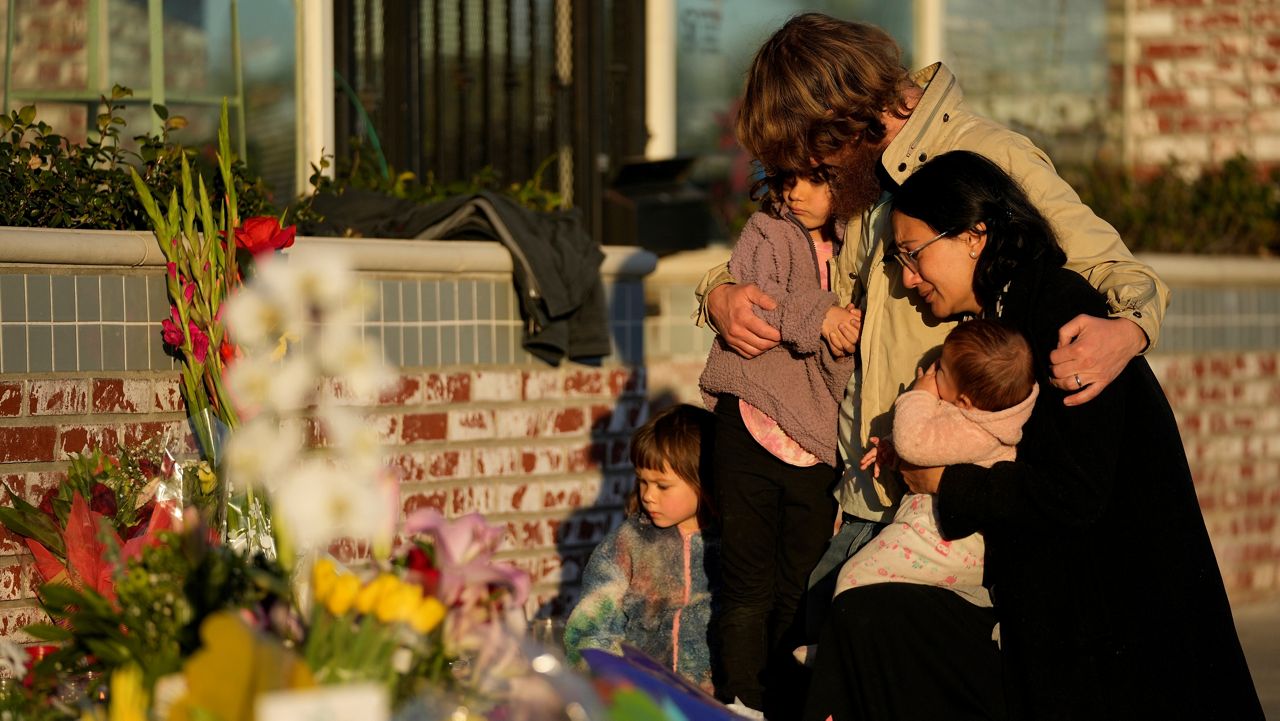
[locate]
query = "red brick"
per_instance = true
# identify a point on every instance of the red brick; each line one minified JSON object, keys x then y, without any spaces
{"x":61,"y":397}
{"x":78,"y":439}
{"x":472,"y":499}
{"x":542,"y":460}
{"x":424,"y":427}
{"x":469,"y":425}
{"x":1166,"y":99}
{"x":436,"y":499}
{"x":407,"y":390}
{"x":109,"y":397}
{"x":173,"y":434}
{"x":447,"y":388}
{"x":542,"y":385}
{"x":10,"y":399}
{"x":569,"y":420}
{"x":584,"y":383}
{"x":1211,"y":21}
{"x":448,"y":464}
{"x":350,"y":551}
{"x":493,"y":462}
{"x":27,"y":444}
{"x":1173,"y":50}
{"x":166,"y":395}
{"x":13,"y":620}
{"x":410,"y":466}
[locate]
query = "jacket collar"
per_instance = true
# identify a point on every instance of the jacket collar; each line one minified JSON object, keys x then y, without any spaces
{"x":916,"y":142}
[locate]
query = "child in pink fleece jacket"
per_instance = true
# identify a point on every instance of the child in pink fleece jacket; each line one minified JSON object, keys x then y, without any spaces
{"x":775,"y":451}
{"x":968,"y":407}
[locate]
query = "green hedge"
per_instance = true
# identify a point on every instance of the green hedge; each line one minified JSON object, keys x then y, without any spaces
{"x":1233,"y":209}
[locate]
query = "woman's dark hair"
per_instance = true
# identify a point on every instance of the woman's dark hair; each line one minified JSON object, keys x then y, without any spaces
{"x":956,"y":191}
{"x":682,"y":437}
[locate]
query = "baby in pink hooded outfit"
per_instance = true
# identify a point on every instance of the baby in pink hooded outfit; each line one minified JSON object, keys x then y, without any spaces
{"x":968,"y":407}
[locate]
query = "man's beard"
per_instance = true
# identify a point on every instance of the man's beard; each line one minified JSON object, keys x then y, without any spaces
{"x":855,"y":182}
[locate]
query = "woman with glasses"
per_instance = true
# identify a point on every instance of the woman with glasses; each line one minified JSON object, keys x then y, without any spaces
{"x":1108,"y":599}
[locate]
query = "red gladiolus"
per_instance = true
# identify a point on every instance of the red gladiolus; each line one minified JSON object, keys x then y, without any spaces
{"x":228,"y":351}
{"x":189,"y":292}
{"x":171,"y":331}
{"x":173,"y":269}
{"x":262,"y":234}
{"x":199,"y":341}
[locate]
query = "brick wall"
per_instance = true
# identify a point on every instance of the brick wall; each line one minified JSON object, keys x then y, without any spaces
{"x":1197,"y":80}
{"x":1228,"y":409}
{"x":543,"y":451}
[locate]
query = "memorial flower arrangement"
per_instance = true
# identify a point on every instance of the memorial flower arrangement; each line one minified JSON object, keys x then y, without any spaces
{"x":174,"y":623}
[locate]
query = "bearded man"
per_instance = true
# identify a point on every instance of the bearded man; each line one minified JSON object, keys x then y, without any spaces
{"x":833,"y":93}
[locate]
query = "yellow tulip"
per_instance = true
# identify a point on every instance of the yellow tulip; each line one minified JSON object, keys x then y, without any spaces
{"x":399,"y":603}
{"x":207,"y":478}
{"x":324,"y":575}
{"x":427,"y":615}
{"x":373,"y":592}
{"x":345,"y":590}
{"x":128,"y":697}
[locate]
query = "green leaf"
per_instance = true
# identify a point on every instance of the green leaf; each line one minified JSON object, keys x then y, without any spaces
{"x":27,"y":114}
{"x":177,"y":122}
{"x":28,"y":521}
{"x":119,"y":91}
{"x":48,"y":632}
{"x":161,"y":110}
{"x":162,"y":231}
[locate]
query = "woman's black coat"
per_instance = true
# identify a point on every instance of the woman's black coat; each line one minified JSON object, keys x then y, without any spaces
{"x":1109,"y":597}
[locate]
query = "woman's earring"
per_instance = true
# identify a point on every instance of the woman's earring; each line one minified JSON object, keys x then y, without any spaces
{"x":973,"y":255}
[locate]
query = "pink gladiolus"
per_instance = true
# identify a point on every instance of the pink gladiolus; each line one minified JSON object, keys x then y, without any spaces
{"x":171,"y":331}
{"x":173,"y":270}
{"x":189,"y":292}
{"x":199,"y":341}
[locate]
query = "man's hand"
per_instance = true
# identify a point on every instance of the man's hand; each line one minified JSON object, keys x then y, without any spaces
{"x":1091,"y":352}
{"x":841,"y":329}
{"x":920,"y":479}
{"x":731,"y":309}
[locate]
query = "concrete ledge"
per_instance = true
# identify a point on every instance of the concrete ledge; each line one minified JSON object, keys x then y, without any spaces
{"x":134,"y":249}
{"x":1236,"y":271}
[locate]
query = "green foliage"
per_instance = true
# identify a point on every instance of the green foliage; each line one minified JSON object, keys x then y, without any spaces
{"x":362,"y":173}
{"x":47,"y":181}
{"x":162,"y":598}
{"x":1234,"y":209}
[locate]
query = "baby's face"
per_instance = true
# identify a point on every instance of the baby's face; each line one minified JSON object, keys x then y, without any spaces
{"x":945,"y":380}
{"x":809,"y":201}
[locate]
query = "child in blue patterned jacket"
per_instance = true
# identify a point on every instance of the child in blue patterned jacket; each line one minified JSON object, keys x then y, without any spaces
{"x":633,"y":589}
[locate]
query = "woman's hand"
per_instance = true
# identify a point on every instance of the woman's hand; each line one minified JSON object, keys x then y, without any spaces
{"x":841,"y":329}
{"x":882,"y":455}
{"x":1091,"y":352}
{"x":920,"y":479}
{"x":731,"y":307}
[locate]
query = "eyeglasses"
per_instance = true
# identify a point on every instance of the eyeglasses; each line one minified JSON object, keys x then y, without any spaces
{"x":908,"y":257}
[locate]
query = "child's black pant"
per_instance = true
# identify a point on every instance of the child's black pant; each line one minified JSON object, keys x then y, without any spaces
{"x":776,"y":520}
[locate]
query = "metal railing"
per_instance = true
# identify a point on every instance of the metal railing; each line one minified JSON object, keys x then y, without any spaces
{"x":451,"y":87}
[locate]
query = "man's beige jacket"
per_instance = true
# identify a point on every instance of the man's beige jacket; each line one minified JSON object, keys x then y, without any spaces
{"x":898,"y":337}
